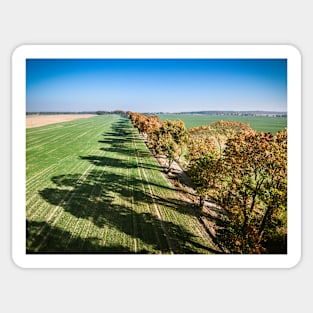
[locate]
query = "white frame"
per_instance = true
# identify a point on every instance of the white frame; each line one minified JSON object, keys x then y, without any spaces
{"x":24,"y":52}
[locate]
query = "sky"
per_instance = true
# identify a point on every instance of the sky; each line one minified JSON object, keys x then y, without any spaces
{"x":156,"y":85}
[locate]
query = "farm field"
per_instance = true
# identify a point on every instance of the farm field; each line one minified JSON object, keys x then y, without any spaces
{"x":93,"y":187}
{"x":258,"y":123}
{"x":41,"y":119}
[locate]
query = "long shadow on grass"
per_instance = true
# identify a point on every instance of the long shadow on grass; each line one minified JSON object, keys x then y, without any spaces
{"x":122,"y":129}
{"x":95,"y":199}
{"x":119,"y":148}
{"x":55,"y":240}
{"x":118,"y":162}
{"x":107,"y":185}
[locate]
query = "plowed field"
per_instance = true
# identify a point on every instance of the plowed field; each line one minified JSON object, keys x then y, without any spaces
{"x":41,"y":120}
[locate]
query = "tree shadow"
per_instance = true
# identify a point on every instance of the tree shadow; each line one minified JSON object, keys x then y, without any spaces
{"x":117,"y":162}
{"x":109,"y":161}
{"x":94,"y":200}
{"x":54,"y":243}
{"x":120,"y":141}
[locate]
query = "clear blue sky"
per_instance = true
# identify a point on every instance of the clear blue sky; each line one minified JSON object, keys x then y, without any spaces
{"x":154,"y":85}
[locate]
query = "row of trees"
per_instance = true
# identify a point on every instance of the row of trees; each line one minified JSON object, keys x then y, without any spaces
{"x":164,"y":138}
{"x":241,"y":170}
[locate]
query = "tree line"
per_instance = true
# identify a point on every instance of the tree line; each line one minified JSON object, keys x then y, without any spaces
{"x":242,"y":171}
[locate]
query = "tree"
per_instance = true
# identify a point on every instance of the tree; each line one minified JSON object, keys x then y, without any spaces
{"x":250,"y":182}
{"x":217,"y":133}
{"x":205,"y":148}
{"x":245,"y":173}
{"x":178,"y":132}
{"x":168,"y":138}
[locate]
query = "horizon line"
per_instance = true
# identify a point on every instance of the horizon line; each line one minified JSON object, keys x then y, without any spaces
{"x":159,"y":112}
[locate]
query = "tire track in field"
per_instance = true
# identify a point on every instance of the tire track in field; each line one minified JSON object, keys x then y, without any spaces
{"x":147,"y":205}
{"x":104,"y":235}
{"x":132,"y":234}
{"x":156,"y":208}
{"x":131,"y":189}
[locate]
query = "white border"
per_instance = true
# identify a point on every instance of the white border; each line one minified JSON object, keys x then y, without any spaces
{"x":24,"y":52}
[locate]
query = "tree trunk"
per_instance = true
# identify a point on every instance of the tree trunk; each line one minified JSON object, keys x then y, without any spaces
{"x":247,"y":212}
{"x":201,"y":202}
{"x":267,"y":214}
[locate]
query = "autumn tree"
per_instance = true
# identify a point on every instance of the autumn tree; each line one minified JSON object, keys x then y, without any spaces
{"x":134,"y":117}
{"x":217,"y":133}
{"x":153,"y":124}
{"x":250,"y":183}
{"x":245,"y":173}
{"x":205,"y":148}
{"x":145,"y":124}
{"x":178,"y":132}
{"x":169,"y":139}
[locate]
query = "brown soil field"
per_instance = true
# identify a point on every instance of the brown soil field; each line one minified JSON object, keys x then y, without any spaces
{"x":41,"y":120}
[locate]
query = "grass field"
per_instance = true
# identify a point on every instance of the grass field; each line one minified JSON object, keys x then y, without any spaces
{"x":258,"y":123}
{"x":93,"y":187}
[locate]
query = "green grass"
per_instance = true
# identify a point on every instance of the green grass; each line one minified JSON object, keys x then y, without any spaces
{"x":258,"y":123}
{"x":93,"y":187}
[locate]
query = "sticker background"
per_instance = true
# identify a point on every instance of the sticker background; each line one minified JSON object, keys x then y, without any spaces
{"x":142,"y":22}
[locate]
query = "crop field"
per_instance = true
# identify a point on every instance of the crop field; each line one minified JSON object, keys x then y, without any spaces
{"x":258,"y":123}
{"x":93,"y":187}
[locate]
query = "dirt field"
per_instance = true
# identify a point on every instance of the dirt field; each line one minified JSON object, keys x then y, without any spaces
{"x":40,"y":120}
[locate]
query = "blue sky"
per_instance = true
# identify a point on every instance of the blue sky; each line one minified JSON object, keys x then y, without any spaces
{"x":155,"y":85}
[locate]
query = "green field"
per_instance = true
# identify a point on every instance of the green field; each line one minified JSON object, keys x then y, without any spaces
{"x":93,"y":187}
{"x":258,"y":123}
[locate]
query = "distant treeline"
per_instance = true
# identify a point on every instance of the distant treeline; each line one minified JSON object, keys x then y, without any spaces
{"x":120,"y":112}
{"x":55,"y":113}
{"x":82,"y":112}
{"x":232,"y":113}
{"x":222,"y":113}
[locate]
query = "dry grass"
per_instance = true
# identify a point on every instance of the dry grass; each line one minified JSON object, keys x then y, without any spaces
{"x":41,"y":120}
